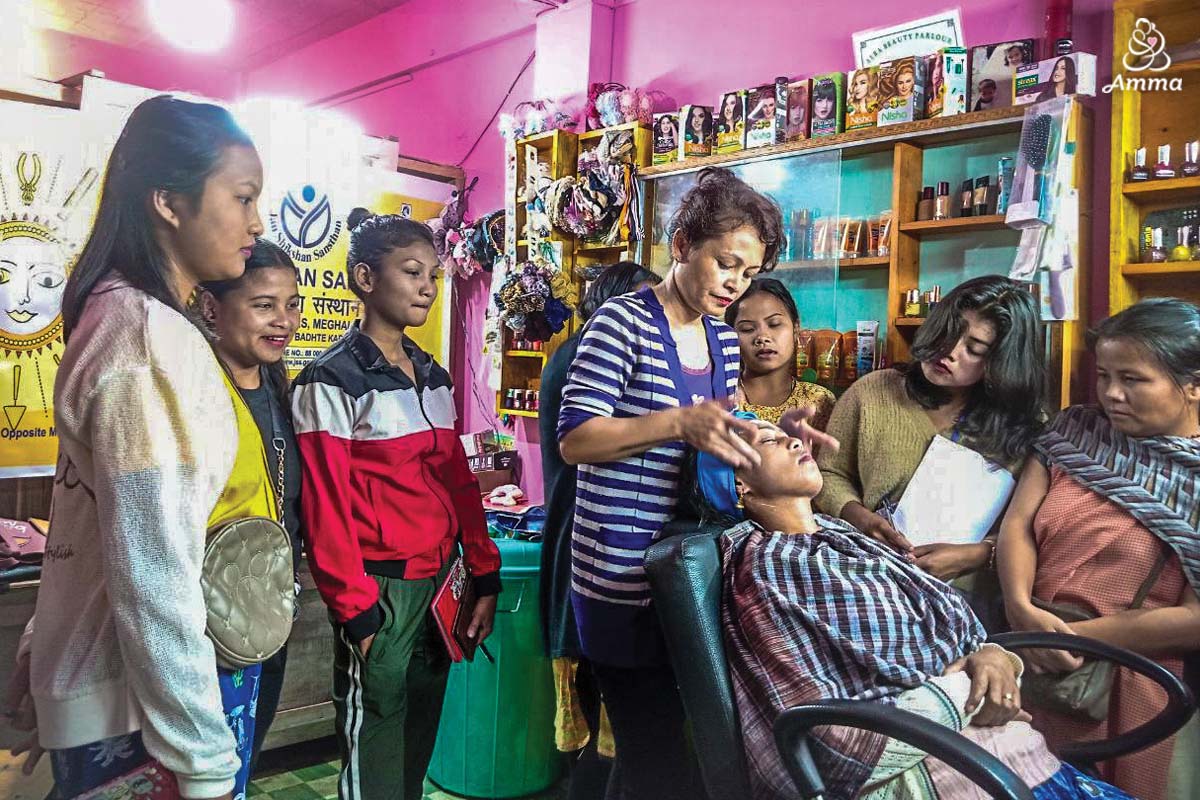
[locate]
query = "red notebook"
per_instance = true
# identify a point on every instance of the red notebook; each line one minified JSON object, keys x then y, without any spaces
{"x":453,"y":606}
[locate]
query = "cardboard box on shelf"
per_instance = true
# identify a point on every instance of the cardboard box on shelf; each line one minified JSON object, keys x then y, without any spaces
{"x":482,"y":462}
{"x":1074,"y":73}
{"x":492,"y":478}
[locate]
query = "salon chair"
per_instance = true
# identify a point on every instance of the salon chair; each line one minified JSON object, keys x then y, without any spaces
{"x":684,"y":572}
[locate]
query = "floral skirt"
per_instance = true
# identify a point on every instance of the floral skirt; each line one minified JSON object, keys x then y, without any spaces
{"x":82,"y":769}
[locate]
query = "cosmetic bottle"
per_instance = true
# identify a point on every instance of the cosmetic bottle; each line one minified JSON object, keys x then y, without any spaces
{"x":1163,"y":168}
{"x":981,"y":195}
{"x":941,"y":206}
{"x":925,"y":204}
{"x":1196,"y":245}
{"x":1191,"y":160}
{"x":912,"y":303}
{"x":1139,"y":171}
{"x":1004,"y":177}
{"x":966,"y":198}
{"x":1157,"y":253}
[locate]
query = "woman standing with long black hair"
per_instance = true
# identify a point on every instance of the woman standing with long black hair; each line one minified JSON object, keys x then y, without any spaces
{"x":156,"y":447}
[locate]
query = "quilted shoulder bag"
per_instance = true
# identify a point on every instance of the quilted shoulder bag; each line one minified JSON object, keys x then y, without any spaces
{"x":1083,"y":693}
{"x":247,"y":579}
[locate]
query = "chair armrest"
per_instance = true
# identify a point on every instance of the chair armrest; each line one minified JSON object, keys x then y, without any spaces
{"x":945,"y":744}
{"x":1178,"y":710}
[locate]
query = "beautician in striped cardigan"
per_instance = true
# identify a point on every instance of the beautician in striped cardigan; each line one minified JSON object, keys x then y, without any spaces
{"x":651,"y":375}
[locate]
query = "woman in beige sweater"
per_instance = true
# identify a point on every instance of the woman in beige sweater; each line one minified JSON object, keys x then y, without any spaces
{"x":976,"y":378}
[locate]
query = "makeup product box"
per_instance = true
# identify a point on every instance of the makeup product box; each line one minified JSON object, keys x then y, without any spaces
{"x":947,"y":84}
{"x":828,"y":104}
{"x":667,"y":144}
{"x":862,"y":98}
{"x":761,"y":116}
{"x":902,"y":85}
{"x":697,"y":133}
{"x":992,"y":69}
{"x":1074,"y":73}
{"x":781,"y":109}
{"x":798,"y":110}
{"x":729,"y":122}
{"x":868,"y":338}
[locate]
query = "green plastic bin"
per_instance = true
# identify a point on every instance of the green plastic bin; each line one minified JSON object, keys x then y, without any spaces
{"x":496,"y":737}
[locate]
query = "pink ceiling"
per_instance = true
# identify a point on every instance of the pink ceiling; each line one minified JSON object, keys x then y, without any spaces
{"x":264,"y":29}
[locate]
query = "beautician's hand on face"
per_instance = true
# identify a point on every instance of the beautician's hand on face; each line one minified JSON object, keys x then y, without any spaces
{"x":875,"y":526}
{"x":994,"y":688}
{"x":711,"y":428}
{"x":947,"y":561}
{"x":795,"y":422}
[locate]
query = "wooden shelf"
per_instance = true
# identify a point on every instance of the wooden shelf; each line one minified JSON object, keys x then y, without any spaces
{"x":513,"y":412}
{"x":1166,"y":190}
{"x":923,"y":132}
{"x":909,"y":322}
{"x":525,"y":353}
{"x":539,"y":140}
{"x":993,"y":222}
{"x":1167,"y":268}
{"x":863,"y":262}
{"x":598,"y":134}
{"x":588,"y":246}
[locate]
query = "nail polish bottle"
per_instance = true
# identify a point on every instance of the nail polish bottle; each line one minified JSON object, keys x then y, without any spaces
{"x":1182,"y":251}
{"x":1196,"y":245}
{"x":1191,"y":159}
{"x":941,"y":206}
{"x":1139,"y":171}
{"x":966,"y":198}
{"x":925,"y":205}
{"x":1157,"y":253}
{"x":1163,"y":168}
{"x":981,"y":195}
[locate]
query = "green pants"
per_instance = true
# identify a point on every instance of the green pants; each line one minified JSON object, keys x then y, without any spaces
{"x":389,"y":704}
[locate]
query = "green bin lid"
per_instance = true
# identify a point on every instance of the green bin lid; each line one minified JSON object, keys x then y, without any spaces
{"x":518,"y":556}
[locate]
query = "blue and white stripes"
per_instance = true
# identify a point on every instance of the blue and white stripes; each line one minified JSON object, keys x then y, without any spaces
{"x":623,"y":369}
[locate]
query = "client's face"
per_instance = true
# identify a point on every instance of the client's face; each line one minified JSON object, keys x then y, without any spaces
{"x":787,"y":469}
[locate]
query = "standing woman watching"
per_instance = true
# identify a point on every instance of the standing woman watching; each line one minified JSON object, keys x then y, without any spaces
{"x":977,"y":378}
{"x":388,"y":498}
{"x":253,"y":319}
{"x":156,"y":447}
{"x":652,"y":374}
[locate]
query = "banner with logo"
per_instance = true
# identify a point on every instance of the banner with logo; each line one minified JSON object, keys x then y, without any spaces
{"x":49,"y":185}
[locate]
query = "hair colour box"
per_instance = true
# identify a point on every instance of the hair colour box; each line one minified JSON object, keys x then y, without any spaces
{"x":828,"y":104}
{"x":667,"y":145}
{"x":992,"y":69}
{"x":902,"y":90}
{"x":797,"y":110}
{"x":1074,"y":73}
{"x":729,"y":122}
{"x":947,"y":84}
{"x":697,"y":138}
{"x":862,"y":98}
{"x":760,"y":117}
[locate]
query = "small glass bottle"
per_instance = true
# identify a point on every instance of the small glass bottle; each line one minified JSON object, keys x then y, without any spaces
{"x":1191,"y":160}
{"x":1196,"y":245}
{"x":1181,"y":251}
{"x":1157,"y":253}
{"x":966,"y":198}
{"x":941,"y":206}
{"x":1139,"y":171}
{"x":1163,"y":168}
{"x":981,"y":195}
{"x":925,"y":204}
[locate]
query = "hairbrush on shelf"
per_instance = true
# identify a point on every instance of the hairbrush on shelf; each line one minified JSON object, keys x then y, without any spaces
{"x":1035,"y":185}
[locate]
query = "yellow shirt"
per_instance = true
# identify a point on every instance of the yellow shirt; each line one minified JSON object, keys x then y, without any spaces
{"x":249,"y":491}
{"x":805,"y":395}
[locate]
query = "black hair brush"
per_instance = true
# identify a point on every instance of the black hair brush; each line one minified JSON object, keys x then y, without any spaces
{"x":1036,"y":136}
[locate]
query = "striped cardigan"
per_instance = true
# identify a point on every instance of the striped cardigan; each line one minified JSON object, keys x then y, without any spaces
{"x":627,"y":366}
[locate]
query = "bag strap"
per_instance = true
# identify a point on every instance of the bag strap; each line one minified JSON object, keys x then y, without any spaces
{"x":278,"y":442}
{"x":1163,"y":554}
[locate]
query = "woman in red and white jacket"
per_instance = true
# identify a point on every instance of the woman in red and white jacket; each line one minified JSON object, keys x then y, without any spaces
{"x":387,"y":494}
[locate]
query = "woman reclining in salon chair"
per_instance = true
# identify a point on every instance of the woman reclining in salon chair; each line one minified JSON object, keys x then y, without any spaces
{"x":814,"y":610}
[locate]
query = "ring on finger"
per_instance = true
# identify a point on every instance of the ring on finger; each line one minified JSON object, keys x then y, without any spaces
{"x":1008,"y":696}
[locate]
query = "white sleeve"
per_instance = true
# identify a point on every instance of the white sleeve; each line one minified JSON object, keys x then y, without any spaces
{"x":153,"y":435}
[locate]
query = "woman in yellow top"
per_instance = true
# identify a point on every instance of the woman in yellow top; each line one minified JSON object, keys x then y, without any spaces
{"x":768,"y":329}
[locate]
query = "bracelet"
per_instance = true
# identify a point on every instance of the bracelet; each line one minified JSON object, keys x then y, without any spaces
{"x":991,"y":561}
